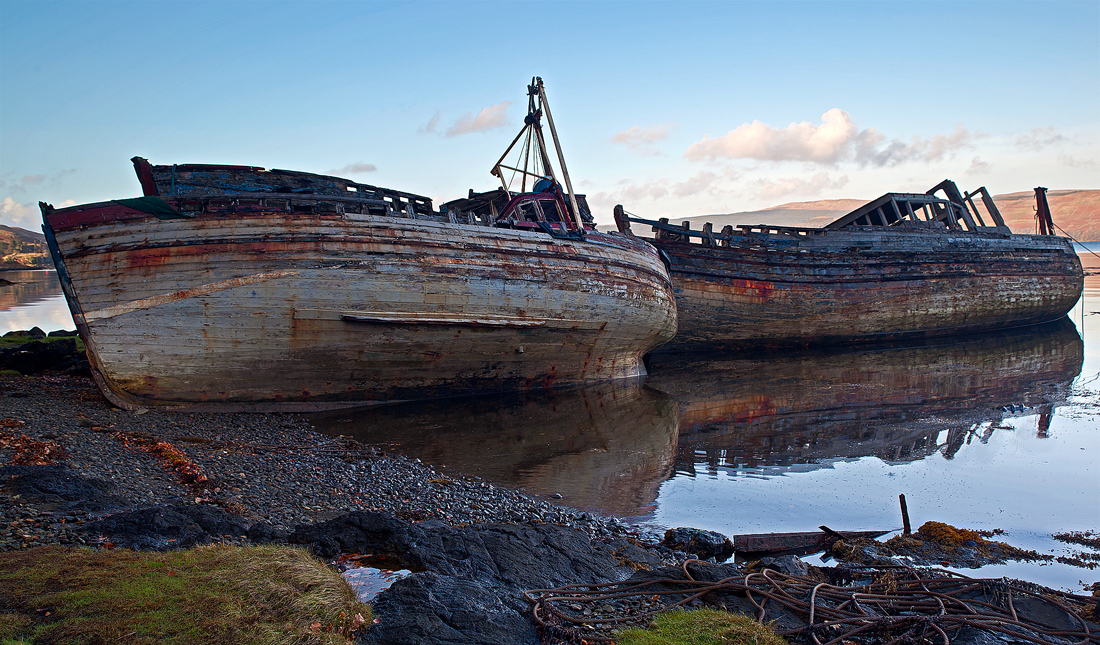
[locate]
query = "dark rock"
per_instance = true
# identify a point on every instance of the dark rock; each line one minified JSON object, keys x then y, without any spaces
{"x":1030,"y":608}
{"x":788,"y":564}
{"x":1012,"y":635}
{"x":61,"y":333}
{"x":263,"y":533}
{"x":35,"y":332}
{"x":34,"y":357}
{"x":704,"y":544}
{"x":434,"y":609}
{"x":468,"y":582}
{"x":357,"y":532}
{"x":167,"y":527}
{"x":627,"y":551}
{"x":57,"y":488}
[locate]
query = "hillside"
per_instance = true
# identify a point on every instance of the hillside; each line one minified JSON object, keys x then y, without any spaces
{"x":20,"y":248}
{"x":1077,"y":212}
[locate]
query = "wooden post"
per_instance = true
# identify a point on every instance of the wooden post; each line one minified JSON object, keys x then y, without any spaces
{"x":708,"y":234}
{"x":622,"y":222}
{"x":906,"y":530}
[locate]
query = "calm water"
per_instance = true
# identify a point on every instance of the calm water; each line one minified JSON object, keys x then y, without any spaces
{"x":997,"y":430}
{"x":34,"y":300}
{"x":989,"y":431}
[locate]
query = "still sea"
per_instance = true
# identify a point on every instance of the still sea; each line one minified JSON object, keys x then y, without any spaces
{"x":987,"y":431}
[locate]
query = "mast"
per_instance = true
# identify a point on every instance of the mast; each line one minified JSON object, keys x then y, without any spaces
{"x":535,"y":145}
{"x":561,"y":157}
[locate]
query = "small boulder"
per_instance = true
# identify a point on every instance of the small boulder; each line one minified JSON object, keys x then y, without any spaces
{"x":790,"y":565}
{"x":167,"y":527}
{"x":704,"y":544}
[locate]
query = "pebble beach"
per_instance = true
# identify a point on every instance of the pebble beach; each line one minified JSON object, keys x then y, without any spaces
{"x":269,"y":468}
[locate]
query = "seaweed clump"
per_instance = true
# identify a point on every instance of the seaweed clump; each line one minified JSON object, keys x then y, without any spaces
{"x":936,"y":544}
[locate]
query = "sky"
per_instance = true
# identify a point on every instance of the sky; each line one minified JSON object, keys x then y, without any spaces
{"x":673,"y":109}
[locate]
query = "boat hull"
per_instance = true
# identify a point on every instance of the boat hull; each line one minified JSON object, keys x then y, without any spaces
{"x":273,"y":309}
{"x":852,"y":285}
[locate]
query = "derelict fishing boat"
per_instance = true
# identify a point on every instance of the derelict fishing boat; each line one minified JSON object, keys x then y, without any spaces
{"x":262,"y":289}
{"x":902,"y":265}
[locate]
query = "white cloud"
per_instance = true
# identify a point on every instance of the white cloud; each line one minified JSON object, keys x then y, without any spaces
{"x":431,"y":124}
{"x":12,"y":213}
{"x":646,"y":193}
{"x":797,"y":186}
{"x":28,"y":183}
{"x":978,"y":167}
{"x":642,"y":139}
{"x":1074,"y":162}
{"x":835,"y":139}
{"x":824,"y":143}
{"x":354,"y":169}
{"x":1039,"y":138}
{"x":700,"y":183}
{"x":489,"y":118}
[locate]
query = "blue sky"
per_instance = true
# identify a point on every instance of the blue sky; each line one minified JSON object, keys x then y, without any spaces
{"x":670,"y":108}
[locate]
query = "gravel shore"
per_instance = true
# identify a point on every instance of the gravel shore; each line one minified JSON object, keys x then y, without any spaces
{"x":261,"y":467}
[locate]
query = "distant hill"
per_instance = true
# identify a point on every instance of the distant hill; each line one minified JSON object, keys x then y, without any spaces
{"x":1075,"y":211}
{"x":810,"y":214}
{"x":21,"y":249}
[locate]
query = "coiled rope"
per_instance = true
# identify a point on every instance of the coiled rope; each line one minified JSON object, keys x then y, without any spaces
{"x":902,"y":605}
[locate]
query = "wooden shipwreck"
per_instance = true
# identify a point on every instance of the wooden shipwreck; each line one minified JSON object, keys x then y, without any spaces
{"x":902,"y":265}
{"x":263,"y":289}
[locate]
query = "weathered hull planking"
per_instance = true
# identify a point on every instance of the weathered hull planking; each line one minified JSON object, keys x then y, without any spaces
{"x":784,"y":286}
{"x":259,"y":307}
{"x":919,"y":287}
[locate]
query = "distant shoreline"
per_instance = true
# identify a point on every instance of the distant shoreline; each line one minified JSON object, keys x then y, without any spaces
{"x":15,"y":266}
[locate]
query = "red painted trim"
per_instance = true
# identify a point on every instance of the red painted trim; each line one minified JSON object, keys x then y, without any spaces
{"x":145,"y":176}
{"x":61,"y":220}
{"x":200,"y":167}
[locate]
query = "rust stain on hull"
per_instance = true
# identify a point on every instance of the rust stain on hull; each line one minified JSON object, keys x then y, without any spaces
{"x":853,"y":299}
{"x":903,"y":265}
{"x":843,"y":286}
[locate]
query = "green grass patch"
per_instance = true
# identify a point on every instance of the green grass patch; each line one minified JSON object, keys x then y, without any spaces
{"x":7,"y":342}
{"x":701,"y":627}
{"x":211,"y":595}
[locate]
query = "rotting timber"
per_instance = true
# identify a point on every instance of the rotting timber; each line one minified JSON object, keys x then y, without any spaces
{"x":903,"y":265}
{"x":239,"y":287}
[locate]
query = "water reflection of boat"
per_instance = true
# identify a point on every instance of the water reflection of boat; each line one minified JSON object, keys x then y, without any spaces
{"x":890,"y":401}
{"x":27,"y":288}
{"x":608,"y":446}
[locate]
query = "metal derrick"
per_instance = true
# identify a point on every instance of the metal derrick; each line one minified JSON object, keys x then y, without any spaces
{"x":533,"y":155}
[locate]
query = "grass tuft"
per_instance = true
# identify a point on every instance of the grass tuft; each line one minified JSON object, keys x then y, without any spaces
{"x":701,"y":627}
{"x":217,"y":594}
